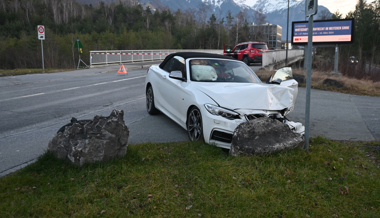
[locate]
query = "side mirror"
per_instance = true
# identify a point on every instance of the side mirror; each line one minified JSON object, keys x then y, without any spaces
{"x":176,"y":75}
{"x":283,"y":74}
{"x":273,"y":80}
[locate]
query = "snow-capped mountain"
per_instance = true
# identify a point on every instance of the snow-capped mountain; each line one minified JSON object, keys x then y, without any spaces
{"x":274,"y":10}
{"x":270,"y":6}
{"x":267,"y":6}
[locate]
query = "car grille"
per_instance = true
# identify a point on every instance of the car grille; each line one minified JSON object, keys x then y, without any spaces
{"x":254,"y":116}
{"x":221,"y":136}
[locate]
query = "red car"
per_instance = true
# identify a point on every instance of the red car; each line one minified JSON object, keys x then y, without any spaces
{"x":248,"y":52}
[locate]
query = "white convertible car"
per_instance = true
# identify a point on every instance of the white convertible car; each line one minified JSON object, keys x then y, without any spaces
{"x":209,"y":95}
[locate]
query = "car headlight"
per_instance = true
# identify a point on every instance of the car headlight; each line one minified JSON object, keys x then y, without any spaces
{"x":218,"y":111}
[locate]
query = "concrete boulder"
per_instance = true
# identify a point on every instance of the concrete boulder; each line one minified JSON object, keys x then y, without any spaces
{"x":299,"y":78}
{"x":333,"y":83}
{"x":89,"y":141}
{"x":264,"y":136}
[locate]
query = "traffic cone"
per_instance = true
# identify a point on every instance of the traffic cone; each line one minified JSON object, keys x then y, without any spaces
{"x":122,"y":70}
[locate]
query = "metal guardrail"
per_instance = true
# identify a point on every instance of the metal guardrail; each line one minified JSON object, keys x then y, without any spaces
{"x":130,"y":56}
{"x":273,"y":57}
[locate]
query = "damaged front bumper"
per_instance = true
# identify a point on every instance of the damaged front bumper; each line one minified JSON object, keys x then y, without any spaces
{"x":219,"y":130}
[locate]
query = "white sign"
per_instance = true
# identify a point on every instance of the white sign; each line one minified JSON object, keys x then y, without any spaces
{"x":41,"y":32}
{"x":311,"y":7}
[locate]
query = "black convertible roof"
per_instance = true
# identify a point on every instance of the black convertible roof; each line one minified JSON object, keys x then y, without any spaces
{"x":187,"y":55}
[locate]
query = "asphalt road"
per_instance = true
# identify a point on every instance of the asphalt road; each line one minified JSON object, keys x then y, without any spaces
{"x":34,"y":107}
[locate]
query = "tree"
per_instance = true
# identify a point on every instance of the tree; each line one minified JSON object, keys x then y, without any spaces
{"x":337,"y":15}
{"x":229,"y":19}
{"x":258,"y":29}
{"x":324,"y":15}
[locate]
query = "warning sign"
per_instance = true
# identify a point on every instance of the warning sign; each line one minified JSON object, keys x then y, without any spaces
{"x":122,"y":70}
{"x":41,"y":32}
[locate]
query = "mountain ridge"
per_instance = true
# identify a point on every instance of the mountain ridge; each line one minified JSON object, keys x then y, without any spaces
{"x":274,"y":10}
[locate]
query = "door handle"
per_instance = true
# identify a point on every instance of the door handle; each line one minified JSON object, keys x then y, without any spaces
{"x":163,"y":76}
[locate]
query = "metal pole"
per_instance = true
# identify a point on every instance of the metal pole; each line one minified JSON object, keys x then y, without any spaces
{"x":308,"y":82}
{"x":305,"y":58}
{"x":78,"y":52}
{"x":287,"y":35}
{"x":78,"y":62}
{"x":42,"y":51}
{"x":336,"y":58}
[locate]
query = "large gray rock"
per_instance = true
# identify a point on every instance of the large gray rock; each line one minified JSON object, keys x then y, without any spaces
{"x":264,"y":136}
{"x":299,"y":78}
{"x":333,"y":82}
{"x":100,"y":139}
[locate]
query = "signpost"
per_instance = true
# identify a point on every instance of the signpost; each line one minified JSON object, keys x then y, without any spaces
{"x":311,"y":8}
{"x":41,"y":36}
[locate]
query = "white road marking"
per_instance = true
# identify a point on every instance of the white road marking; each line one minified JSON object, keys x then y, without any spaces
{"x":72,"y":88}
{"x":25,"y":96}
{"x":76,"y":98}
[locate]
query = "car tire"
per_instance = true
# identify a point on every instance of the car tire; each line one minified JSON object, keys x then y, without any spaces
{"x":150,"y":107}
{"x":245,"y":60}
{"x":194,"y":125}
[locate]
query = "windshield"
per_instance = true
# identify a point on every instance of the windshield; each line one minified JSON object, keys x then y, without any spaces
{"x":220,"y":70}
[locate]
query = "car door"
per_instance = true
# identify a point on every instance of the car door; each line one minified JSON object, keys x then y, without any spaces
{"x":227,"y":50}
{"x":236,"y":52}
{"x":170,"y":89}
{"x":242,"y":51}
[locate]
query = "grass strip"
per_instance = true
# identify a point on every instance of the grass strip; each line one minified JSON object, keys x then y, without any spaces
{"x":335,"y":179}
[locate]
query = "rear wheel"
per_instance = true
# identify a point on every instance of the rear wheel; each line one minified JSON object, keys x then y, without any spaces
{"x":245,"y":60}
{"x":150,"y":101}
{"x":194,"y":125}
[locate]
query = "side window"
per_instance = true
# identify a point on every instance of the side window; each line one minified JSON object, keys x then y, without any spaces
{"x":168,"y":65}
{"x":176,"y":63}
{"x":259,"y":46}
{"x":244,"y":47}
{"x":237,"y":49}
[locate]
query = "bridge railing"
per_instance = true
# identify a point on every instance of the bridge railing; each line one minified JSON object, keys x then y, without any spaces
{"x":130,"y":56}
{"x":273,"y":57}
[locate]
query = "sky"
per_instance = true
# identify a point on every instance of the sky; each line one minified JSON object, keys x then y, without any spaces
{"x":344,"y":6}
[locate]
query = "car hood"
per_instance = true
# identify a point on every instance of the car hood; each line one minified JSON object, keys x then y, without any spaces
{"x":249,"y":95}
